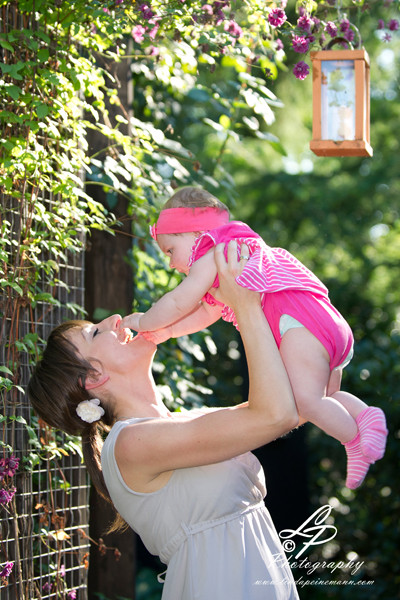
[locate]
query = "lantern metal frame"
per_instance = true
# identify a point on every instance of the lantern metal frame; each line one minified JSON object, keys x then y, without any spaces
{"x":359,"y":144}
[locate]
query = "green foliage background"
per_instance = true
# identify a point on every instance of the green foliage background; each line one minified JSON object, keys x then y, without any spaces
{"x":202,"y":116}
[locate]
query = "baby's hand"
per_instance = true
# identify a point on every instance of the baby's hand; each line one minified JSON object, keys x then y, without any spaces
{"x":159,"y":336}
{"x":131,"y":321}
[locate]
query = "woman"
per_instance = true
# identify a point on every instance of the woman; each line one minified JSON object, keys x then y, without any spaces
{"x":186,"y":484}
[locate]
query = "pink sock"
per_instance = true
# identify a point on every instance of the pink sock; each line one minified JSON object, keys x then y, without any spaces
{"x":357,"y":463}
{"x":371,"y":424}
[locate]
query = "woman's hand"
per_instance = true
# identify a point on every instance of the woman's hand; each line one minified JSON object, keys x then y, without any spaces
{"x":229,"y":291}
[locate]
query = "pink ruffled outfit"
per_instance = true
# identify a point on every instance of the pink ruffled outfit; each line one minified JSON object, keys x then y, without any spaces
{"x":286,"y":287}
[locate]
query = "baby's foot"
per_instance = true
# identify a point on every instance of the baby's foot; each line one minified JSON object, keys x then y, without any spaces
{"x":357,"y":463}
{"x":373,"y":432}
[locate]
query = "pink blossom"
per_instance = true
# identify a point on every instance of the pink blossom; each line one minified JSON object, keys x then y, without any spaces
{"x":71,"y":595}
{"x":277,"y":17}
{"x":207,"y":8}
{"x":279,"y":44}
{"x":6,"y":570}
{"x":153,"y":32}
{"x":138,"y":33}
{"x":393,"y":25}
{"x":331,"y":29}
{"x":233,"y":28}
{"x":300,"y":44}
{"x":301,"y":70}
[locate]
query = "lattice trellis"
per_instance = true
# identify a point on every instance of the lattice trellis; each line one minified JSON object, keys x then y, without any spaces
{"x":44,"y":528}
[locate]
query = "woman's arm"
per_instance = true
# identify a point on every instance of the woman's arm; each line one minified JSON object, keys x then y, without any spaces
{"x":178,"y":303}
{"x":161,"y":445}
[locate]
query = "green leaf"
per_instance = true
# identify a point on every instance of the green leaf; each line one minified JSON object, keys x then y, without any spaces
{"x":14,"y":91}
{"x":4,"y":369}
{"x":42,"y":110}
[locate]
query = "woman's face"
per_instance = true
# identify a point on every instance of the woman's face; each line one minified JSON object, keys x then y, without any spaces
{"x":117,"y":350}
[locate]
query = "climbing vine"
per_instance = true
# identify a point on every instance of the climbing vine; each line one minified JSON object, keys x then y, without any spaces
{"x":57,"y":84}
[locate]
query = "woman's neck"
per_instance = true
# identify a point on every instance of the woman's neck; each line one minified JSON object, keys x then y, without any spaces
{"x":139,"y":398}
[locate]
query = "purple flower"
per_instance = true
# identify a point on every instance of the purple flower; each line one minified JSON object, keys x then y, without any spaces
{"x":301,"y":70}
{"x":300,"y":44}
{"x":304,"y":23}
{"x":71,"y":595}
{"x":349,"y":35}
{"x":344,"y":26}
{"x":146,"y":11}
{"x":277,"y":17}
{"x":233,"y":28}
{"x":316,"y":24}
{"x":331,"y":29}
{"x":393,"y":25}
{"x":47,"y":587}
{"x":387,"y":37}
{"x":279,"y":44}
{"x":7,"y":495}
{"x":6,"y":570}
{"x":138,"y":33}
{"x":381,"y":24}
{"x":119,"y":2}
{"x":8,"y":466}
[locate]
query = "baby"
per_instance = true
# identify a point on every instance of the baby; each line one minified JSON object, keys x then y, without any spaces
{"x":314,"y":340}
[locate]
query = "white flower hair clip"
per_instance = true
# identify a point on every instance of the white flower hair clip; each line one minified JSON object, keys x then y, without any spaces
{"x":90,"y":410}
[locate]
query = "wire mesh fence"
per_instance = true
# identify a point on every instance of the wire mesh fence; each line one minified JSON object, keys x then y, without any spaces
{"x":44,"y":526}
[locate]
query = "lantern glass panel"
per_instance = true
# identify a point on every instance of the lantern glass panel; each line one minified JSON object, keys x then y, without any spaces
{"x":338,"y":96}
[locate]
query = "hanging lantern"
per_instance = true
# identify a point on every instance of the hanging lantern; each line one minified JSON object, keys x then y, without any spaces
{"x":340,"y":103}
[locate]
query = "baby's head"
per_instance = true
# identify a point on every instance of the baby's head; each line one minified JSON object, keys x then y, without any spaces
{"x":187,"y":214}
{"x":194,"y":197}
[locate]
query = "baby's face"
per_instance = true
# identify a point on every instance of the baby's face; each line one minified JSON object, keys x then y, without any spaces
{"x":178,"y":247}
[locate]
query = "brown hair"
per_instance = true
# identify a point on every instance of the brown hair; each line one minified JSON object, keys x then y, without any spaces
{"x":55,"y":389}
{"x":193,"y":197}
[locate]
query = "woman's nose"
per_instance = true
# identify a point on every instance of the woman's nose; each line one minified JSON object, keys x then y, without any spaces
{"x":111,"y":322}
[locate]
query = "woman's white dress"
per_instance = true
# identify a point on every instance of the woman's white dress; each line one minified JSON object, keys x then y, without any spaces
{"x":210,"y":526}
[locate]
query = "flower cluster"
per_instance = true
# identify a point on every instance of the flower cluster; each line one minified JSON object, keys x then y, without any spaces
{"x":8,"y":468}
{"x":392,"y":25}
{"x":318,"y":23}
{"x":6,"y":572}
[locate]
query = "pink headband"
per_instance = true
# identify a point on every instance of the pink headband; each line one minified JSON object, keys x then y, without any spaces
{"x":183,"y":219}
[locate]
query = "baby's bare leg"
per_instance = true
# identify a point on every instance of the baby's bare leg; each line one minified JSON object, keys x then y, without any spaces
{"x":307,"y":363}
{"x":352,"y":404}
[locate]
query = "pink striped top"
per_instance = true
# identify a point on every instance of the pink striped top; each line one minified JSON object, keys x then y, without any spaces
{"x":267,"y":270}
{"x":279,"y":277}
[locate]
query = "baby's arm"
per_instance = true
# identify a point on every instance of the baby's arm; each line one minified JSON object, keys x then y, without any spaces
{"x":202,"y":317}
{"x":181,"y":301}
